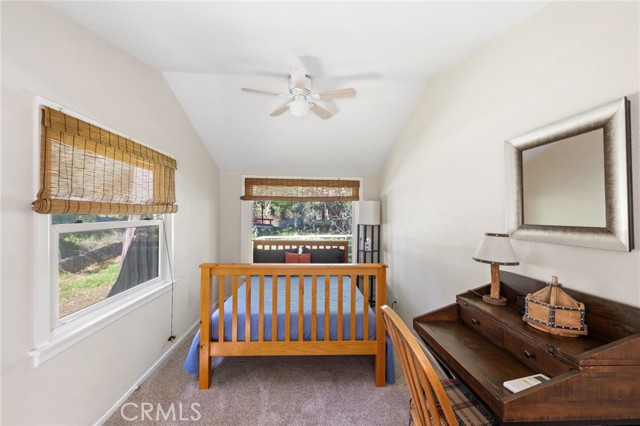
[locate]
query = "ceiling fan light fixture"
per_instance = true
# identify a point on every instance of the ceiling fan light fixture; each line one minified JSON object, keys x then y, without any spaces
{"x":300,"y":99}
{"x":299,"y":108}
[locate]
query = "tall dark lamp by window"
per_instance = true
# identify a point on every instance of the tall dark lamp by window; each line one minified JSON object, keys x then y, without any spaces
{"x":497,"y":251}
{"x":368,"y":237}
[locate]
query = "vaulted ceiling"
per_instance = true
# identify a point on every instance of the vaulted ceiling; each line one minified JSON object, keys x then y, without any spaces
{"x":387,"y":51}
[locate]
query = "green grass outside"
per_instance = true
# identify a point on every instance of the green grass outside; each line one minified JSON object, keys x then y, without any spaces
{"x":79,"y":290}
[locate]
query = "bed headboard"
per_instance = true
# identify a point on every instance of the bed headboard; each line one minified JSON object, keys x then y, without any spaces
{"x":311,"y":245}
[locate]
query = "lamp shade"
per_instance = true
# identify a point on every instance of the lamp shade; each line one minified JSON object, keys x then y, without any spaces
{"x":369,"y":213}
{"x":496,"y":249}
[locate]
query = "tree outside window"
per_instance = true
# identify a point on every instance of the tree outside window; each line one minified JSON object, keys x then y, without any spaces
{"x":294,"y":218}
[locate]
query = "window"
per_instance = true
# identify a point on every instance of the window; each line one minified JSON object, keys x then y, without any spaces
{"x":291,"y":208}
{"x":104,"y":232}
{"x":302,"y":220}
{"x":100,"y":257}
{"x":281,"y":218}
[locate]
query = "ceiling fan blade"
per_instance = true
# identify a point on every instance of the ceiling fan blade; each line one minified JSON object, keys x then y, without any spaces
{"x":338,"y":93}
{"x":280,"y":110}
{"x":297,"y":77}
{"x":321,"y":112}
{"x":264,"y":92}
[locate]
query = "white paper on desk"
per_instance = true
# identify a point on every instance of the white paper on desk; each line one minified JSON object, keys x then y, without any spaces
{"x":518,"y":385}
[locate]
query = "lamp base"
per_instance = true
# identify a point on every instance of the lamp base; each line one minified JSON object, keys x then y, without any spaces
{"x":500,"y":301}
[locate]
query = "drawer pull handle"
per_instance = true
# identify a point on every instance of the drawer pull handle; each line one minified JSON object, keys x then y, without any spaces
{"x":475,"y":321}
{"x":528,"y":354}
{"x":551,"y":350}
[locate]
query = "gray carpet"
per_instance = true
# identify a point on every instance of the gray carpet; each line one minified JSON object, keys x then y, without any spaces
{"x":265,"y":391}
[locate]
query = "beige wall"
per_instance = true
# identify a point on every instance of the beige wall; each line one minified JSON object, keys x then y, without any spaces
{"x":443,"y":185}
{"x":46,"y":54}
{"x":231,"y":188}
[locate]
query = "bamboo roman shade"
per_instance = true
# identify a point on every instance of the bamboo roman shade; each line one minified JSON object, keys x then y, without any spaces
{"x":85,"y":169}
{"x":300,"y":189}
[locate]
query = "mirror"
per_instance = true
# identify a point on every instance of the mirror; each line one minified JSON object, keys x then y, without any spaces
{"x":563,"y":182}
{"x":569,"y":182}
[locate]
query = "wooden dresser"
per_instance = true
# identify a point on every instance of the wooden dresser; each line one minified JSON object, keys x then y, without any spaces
{"x":595,"y":379}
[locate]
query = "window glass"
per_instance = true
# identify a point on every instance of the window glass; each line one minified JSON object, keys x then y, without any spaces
{"x":94,"y":218}
{"x":302,"y":220}
{"x":96,"y":264}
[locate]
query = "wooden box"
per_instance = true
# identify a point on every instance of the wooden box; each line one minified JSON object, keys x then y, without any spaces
{"x":553,"y":311}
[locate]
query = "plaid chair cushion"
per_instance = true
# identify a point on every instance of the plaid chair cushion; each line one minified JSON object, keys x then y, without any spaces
{"x":468,"y":409}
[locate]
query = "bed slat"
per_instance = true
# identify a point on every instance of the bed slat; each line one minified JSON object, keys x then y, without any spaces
{"x":327,"y":314}
{"x":261,"y":313}
{"x":340,"y":297}
{"x":314,"y":308}
{"x":352,"y":319}
{"x":300,"y":307}
{"x":234,"y":309}
{"x":247,"y":317}
{"x":365,"y":303}
{"x":221,"y":279}
{"x":274,"y":308}
{"x":287,"y":309}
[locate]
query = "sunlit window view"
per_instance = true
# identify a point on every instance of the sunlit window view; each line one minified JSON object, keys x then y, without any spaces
{"x":290,"y":220}
{"x":119,"y":253}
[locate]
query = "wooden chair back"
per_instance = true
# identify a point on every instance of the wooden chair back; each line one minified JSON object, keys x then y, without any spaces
{"x":424,"y":384}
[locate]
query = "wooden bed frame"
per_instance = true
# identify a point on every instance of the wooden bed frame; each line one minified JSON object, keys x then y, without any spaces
{"x":226,"y":276}
{"x":312,"y":245}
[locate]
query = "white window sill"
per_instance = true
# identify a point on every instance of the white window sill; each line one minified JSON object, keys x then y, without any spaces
{"x":70,"y":334}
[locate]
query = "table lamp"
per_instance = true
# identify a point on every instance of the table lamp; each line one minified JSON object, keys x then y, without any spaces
{"x":369,"y":213}
{"x":496,"y":250}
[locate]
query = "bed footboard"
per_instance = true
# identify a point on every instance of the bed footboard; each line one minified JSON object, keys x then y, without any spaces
{"x":226,"y":279}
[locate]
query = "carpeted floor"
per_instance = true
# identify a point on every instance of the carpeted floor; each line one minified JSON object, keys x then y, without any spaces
{"x":265,"y":391}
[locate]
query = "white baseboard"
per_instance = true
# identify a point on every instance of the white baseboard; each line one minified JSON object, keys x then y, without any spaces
{"x":146,"y":375}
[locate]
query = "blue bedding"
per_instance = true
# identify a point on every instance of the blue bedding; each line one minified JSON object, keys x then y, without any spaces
{"x":191,"y":363}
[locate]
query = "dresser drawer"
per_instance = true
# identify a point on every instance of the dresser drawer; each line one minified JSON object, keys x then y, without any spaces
{"x":537,"y":356}
{"x":482,"y":324}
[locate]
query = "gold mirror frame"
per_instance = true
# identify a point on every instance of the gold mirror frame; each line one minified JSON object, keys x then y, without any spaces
{"x":614,"y":119}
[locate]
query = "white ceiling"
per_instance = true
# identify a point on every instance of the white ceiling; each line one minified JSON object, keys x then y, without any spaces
{"x":387,"y":51}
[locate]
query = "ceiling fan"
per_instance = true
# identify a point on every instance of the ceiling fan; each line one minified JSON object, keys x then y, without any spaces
{"x":301,"y":99}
